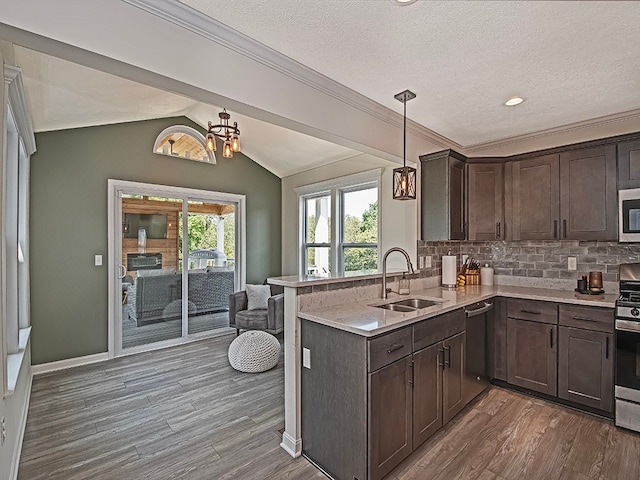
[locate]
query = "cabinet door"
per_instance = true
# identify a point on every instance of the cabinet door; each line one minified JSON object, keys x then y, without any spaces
{"x":428,"y":365}
{"x":486,"y":200}
{"x":585,"y":367}
{"x":456,"y":200}
{"x":588,"y":201}
{"x":629,"y":164}
{"x":531,"y":354}
{"x":453,"y":377}
{"x":390,"y":417}
{"x":536,"y":198}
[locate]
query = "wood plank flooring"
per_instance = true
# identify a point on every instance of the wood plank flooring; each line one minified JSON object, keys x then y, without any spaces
{"x":183,"y":413}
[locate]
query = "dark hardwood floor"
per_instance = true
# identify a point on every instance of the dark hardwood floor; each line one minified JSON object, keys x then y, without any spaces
{"x":183,"y":413}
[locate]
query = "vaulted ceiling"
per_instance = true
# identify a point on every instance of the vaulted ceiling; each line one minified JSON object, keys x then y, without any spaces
{"x":576,"y":63}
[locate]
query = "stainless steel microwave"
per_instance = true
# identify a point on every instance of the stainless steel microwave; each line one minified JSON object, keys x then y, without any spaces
{"x":629,"y":215}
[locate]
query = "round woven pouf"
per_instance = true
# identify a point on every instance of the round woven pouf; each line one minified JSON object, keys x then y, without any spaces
{"x":254,"y":351}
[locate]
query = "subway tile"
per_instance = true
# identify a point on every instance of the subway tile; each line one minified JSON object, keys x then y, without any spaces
{"x":551,"y":274}
{"x":519,"y":272}
{"x":503,"y":271}
{"x":534,"y":273}
{"x":597,"y":250}
{"x":567,"y":274}
{"x":304,"y":290}
{"x":319,"y":288}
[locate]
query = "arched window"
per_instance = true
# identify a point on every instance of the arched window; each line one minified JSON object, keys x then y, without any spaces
{"x":183,"y":142}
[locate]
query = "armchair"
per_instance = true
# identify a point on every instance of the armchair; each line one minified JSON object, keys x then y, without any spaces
{"x":270,"y":320}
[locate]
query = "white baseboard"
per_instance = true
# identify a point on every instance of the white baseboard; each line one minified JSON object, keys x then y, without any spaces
{"x":69,"y":363}
{"x":292,"y":446}
{"x":17,"y":451}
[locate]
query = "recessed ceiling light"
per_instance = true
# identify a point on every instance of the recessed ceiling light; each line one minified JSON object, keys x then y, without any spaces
{"x":513,"y":101}
{"x":403,"y":3}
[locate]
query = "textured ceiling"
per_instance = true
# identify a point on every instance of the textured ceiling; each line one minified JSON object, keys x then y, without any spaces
{"x":573,"y":61}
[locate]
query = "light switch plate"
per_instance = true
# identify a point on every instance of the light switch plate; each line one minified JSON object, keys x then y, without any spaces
{"x":572,"y":263}
{"x":98,"y":260}
{"x":306,"y":358}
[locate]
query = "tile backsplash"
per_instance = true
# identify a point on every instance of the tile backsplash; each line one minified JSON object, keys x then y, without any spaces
{"x":536,"y":259}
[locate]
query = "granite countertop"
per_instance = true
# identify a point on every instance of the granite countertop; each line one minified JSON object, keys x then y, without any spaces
{"x":363,"y":318}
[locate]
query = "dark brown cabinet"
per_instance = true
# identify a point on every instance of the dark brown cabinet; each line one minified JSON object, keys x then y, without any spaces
{"x":585,"y":356}
{"x":497,"y":340}
{"x":390,"y":417}
{"x":571,"y":195}
{"x":629,"y":164}
{"x":486,"y":201}
{"x":443,"y":196}
{"x":536,"y":198}
{"x":588,"y":202}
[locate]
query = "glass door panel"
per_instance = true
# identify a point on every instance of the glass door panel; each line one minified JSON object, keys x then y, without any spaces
{"x":152,"y":284}
{"x":210,"y":263}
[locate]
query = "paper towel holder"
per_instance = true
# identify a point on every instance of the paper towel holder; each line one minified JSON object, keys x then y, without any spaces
{"x":449,"y":270}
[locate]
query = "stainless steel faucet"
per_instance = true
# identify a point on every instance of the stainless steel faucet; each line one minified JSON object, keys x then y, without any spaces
{"x":384,"y":267}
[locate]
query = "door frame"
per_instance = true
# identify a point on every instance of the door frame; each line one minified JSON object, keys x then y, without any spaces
{"x":114,"y":229}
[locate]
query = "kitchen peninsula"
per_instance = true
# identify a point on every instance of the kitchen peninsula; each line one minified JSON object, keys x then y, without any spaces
{"x":352,"y":343}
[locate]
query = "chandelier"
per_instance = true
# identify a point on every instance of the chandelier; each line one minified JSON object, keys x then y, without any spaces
{"x":229,"y":133}
{"x":404,"y":178}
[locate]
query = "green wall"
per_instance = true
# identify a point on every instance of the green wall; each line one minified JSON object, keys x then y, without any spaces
{"x":68,"y":223}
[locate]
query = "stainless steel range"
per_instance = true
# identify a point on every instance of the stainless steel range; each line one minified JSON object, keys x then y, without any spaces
{"x":627,"y":382}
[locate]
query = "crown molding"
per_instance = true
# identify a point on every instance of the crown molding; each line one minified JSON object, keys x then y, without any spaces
{"x":19,"y":106}
{"x":555,"y":131}
{"x":215,"y":31}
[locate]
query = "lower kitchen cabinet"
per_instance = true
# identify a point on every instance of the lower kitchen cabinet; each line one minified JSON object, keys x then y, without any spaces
{"x":585,"y":367}
{"x":390,"y":419}
{"x":532,"y":355}
{"x":438,"y":376}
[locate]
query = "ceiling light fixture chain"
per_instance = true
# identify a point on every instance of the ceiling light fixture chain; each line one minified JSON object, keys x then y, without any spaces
{"x":404,"y":178}
{"x":229,"y":133}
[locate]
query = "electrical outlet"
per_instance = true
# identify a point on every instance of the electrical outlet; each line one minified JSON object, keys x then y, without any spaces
{"x":427,"y":261}
{"x":572,"y":263}
{"x":464,"y":258}
{"x":420,"y":263}
{"x":3,"y":429}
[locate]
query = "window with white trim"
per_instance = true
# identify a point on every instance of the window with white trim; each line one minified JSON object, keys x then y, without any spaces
{"x":339,"y":226}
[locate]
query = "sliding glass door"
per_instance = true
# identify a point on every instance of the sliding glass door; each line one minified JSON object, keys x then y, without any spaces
{"x":179,"y":256}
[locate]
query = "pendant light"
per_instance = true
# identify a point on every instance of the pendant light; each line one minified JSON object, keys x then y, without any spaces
{"x":229,"y":133}
{"x":404,"y":178}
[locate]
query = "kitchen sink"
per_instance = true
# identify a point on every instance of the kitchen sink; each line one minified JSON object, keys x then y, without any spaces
{"x":408,"y":304}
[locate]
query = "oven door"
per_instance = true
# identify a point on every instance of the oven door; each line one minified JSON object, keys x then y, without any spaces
{"x":629,"y":215}
{"x":628,"y":354}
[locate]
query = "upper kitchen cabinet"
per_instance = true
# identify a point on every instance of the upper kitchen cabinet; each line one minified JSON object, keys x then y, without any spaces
{"x":568,"y":196}
{"x":486,"y":201}
{"x":536,"y":198}
{"x":629,"y":164}
{"x":443,"y":196}
{"x":588,"y":202}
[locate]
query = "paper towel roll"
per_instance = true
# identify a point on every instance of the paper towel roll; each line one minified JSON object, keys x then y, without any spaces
{"x":449,"y":270}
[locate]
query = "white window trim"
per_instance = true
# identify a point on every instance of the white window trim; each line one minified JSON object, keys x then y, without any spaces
{"x":334,"y":187}
{"x":211,"y":156}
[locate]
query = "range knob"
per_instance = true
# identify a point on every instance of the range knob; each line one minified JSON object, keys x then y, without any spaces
{"x":635,"y":312}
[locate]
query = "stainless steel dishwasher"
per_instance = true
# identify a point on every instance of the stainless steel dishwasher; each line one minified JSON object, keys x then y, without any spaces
{"x":475,"y":371}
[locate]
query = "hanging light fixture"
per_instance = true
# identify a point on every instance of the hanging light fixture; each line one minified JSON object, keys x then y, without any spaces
{"x":404,"y":178}
{"x":229,"y":133}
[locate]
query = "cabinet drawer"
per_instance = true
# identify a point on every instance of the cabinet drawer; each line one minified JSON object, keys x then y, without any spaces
{"x":533,"y":310}
{"x":437,"y":328}
{"x":388,"y":348}
{"x":590,"y":318}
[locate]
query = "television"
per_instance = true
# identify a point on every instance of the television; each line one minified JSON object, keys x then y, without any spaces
{"x":154,"y":224}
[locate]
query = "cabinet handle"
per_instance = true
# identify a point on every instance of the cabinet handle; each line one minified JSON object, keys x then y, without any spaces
{"x":447,"y":359}
{"x":498,"y":230}
{"x":607,"y":349}
{"x":532,"y":312}
{"x":395,"y":347}
{"x":551,"y":337}
{"x":411,"y":377}
{"x":564,"y":228}
{"x":441,"y":363}
{"x":583,"y":319}
{"x":555,"y":229}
